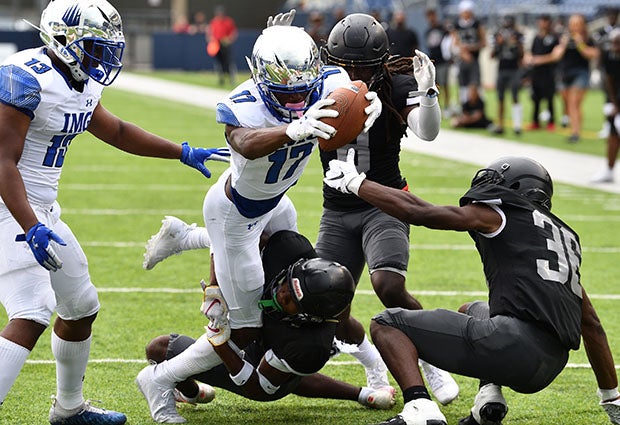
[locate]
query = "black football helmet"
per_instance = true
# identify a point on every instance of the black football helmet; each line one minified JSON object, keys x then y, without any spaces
{"x":357,"y":40}
{"x":321,"y":289}
{"x":523,"y":175}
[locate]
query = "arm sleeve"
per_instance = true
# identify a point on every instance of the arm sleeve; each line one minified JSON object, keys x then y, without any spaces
{"x":19,"y":89}
{"x":425,"y":120}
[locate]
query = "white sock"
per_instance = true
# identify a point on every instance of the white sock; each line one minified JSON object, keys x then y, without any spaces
{"x":13,"y":356}
{"x":610,"y":394}
{"x":71,"y":360}
{"x":197,"y":238}
{"x":198,"y":357}
{"x":368,"y":355}
{"x":517,"y":116}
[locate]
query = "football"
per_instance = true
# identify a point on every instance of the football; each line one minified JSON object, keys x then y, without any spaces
{"x":350,"y":103}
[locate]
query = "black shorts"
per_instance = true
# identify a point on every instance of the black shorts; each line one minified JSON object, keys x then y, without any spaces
{"x":219,"y":377}
{"x":370,"y":236}
{"x":502,"y":350}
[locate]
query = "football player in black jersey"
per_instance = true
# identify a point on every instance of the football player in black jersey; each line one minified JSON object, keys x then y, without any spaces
{"x":537,"y":310}
{"x":303,"y":296}
{"x":353,"y":232}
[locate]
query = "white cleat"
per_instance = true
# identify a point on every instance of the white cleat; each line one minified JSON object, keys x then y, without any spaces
{"x":206,"y":394}
{"x":604,"y":176}
{"x":489,"y":408}
{"x":613,"y":410}
{"x":381,"y":399}
{"x":421,"y":411}
{"x":377,"y":375}
{"x":441,"y":383}
{"x":159,"y":397}
{"x":167,"y":241}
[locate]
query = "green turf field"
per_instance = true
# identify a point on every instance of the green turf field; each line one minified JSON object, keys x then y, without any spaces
{"x":114,"y":202}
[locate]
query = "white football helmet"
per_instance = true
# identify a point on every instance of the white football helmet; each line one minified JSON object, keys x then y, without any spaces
{"x":87,"y":35}
{"x":285,"y":60}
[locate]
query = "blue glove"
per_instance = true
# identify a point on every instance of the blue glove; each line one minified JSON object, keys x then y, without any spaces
{"x":195,"y":157}
{"x":38,"y":238}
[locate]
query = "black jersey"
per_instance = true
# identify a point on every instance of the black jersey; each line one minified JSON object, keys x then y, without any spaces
{"x":304,"y":347}
{"x":469,"y":33}
{"x":532,"y":265}
{"x":377,"y":152}
{"x":573,"y":59}
{"x":543,"y":45}
{"x":434,"y":37}
{"x":610,"y":62}
{"x":510,"y":50}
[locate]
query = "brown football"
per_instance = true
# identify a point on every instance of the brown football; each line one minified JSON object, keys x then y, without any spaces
{"x":350,"y":103}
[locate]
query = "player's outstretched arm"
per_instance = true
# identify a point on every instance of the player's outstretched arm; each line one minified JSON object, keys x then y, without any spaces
{"x":598,"y":351}
{"x":343,"y":176}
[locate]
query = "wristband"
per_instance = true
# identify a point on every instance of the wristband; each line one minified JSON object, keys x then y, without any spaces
{"x":244,"y":374}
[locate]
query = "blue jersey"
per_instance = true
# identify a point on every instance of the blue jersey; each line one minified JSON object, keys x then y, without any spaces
{"x":30,"y":83}
{"x":269,"y":177}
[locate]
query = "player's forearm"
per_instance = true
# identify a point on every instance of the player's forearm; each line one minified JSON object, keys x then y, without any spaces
{"x":597,"y":346}
{"x":256,"y":143}
{"x":13,"y":193}
{"x":425,"y":120}
{"x":397,"y":203}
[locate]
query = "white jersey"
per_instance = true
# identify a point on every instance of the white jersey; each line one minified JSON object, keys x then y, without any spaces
{"x":258,"y":184}
{"x":58,"y":113}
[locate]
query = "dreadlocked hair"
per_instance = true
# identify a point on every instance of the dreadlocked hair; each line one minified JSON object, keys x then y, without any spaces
{"x":382,"y":84}
{"x":400,"y":65}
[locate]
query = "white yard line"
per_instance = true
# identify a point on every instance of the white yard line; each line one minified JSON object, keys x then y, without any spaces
{"x":564,"y":166}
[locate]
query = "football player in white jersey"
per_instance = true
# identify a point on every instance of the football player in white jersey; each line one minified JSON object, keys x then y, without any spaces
{"x":272,"y":124}
{"x":48,"y":96}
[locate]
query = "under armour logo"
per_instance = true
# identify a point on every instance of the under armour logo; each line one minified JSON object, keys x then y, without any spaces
{"x":89,"y":103}
{"x":252,"y":225}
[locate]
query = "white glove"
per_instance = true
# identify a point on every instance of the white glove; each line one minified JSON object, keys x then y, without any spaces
{"x":219,"y":333}
{"x":309,"y":125}
{"x":424,"y":73}
{"x":373,"y":110}
{"x":281,"y":19}
{"x":343,"y":176}
{"x":213,"y":304}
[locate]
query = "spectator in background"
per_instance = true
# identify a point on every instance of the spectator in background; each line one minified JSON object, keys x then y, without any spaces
{"x":575,"y":51}
{"x":199,"y":24}
{"x":602,"y":40}
{"x":403,"y":40}
{"x":317,"y":29}
{"x":469,"y":38}
{"x":610,"y":61}
{"x":223,"y":32}
{"x":438,"y":43}
{"x":181,"y":25}
{"x":508,"y":50}
{"x":542,"y":76}
{"x":472,"y":115}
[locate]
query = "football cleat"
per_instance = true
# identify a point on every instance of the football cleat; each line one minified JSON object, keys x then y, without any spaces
{"x":159,"y":397}
{"x":613,"y":410}
{"x":489,"y":407}
{"x":442,"y":384}
{"x":167,"y":241}
{"x":418,"y":412}
{"x":376,"y":375}
{"x":606,"y":175}
{"x":206,"y":394}
{"x":381,"y":399}
{"x":86,"y":414}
